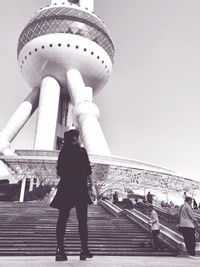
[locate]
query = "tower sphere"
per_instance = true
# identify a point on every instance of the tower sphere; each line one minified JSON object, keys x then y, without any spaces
{"x":65,"y":36}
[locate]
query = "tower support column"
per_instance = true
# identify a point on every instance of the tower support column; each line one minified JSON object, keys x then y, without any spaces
{"x":87,"y":114}
{"x":47,"y":114}
{"x":18,"y":119}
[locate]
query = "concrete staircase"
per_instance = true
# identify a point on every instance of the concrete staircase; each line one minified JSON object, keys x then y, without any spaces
{"x":29,"y":229}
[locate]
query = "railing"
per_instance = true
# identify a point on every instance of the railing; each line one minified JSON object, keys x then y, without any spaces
{"x":167,"y":218}
{"x":110,"y":207}
{"x":168,"y":236}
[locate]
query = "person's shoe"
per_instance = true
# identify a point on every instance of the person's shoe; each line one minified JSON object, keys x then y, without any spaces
{"x":60,"y":254}
{"x":193,"y":257}
{"x":85,"y":254}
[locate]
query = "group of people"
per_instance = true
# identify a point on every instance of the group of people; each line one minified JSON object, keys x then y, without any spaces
{"x":187,"y":225}
{"x":194,"y":203}
{"x":75,"y":173}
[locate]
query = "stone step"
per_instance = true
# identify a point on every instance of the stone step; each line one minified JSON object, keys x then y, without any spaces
{"x":29,"y":229}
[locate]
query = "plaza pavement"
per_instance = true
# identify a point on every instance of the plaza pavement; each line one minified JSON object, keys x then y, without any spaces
{"x":100,"y":261}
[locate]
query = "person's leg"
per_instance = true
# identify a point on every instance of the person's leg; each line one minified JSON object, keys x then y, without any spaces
{"x":61,"y":226}
{"x":185,"y":237}
{"x":191,"y":241}
{"x":81,"y":211}
{"x":156,"y":239}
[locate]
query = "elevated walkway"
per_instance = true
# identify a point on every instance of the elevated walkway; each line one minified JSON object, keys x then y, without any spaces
{"x":28,"y":229}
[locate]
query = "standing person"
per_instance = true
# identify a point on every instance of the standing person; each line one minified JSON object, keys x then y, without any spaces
{"x":195,"y":206}
{"x":155,"y":228}
{"x":149,"y":198}
{"x":73,"y":167}
{"x":115,"y":198}
{"x":187,"y":223}
{"x":184,"y":196}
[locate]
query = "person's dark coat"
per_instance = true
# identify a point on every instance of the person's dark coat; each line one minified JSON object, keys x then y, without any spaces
{"x":149,"y":198}
{"x":73,"y":167}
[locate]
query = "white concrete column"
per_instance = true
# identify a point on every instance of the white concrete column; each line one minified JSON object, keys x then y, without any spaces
{"x":93,"y":139}
{"x":47,"y":114}
{"x":167,"y":196}
{"x":88,"y":93}
{"x":31,"y":184}
{"x":87,"y":114}
{"x":76,"y":86}
{"x":37,"y":182}
{"x":22,"y":191}
{"x":18,"y":119}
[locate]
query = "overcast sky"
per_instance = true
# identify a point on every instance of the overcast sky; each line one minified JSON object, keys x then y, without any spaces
{"x":150,"y":107}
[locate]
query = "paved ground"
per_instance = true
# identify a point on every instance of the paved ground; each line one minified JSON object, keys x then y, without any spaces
{"x":100,"y":261}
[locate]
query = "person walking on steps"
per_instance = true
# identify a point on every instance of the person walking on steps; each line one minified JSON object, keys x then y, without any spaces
{"x":74,"y":169}
{"x":155,"y":228}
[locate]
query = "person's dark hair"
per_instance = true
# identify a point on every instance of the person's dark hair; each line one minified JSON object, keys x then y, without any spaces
{"x":68,"y":136}
{"x":188,"y":199}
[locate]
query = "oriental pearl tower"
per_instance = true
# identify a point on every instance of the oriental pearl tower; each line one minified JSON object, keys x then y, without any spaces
{"x":66,"y":55}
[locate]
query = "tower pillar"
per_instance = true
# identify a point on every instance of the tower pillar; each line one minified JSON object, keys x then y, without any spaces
{"x":86,"y":114}
{"x":18,"y":119}
{"x":47,"y":114}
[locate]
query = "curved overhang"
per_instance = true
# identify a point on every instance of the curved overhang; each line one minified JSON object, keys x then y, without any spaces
{"x":108,"y":172}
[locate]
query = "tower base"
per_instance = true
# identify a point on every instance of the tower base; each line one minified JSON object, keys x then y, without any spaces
{"x":110,"y":173}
